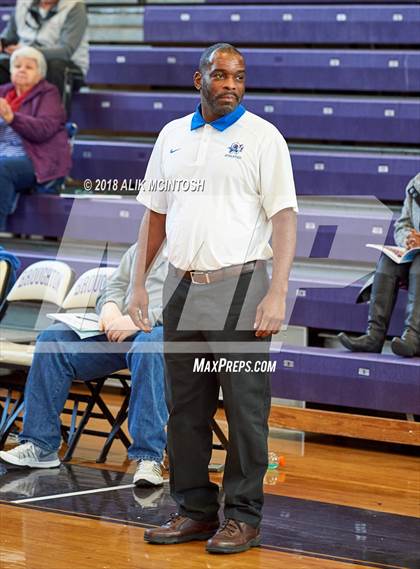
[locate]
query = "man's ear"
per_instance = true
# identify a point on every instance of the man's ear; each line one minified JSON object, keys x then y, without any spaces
{"x":197,"y":80}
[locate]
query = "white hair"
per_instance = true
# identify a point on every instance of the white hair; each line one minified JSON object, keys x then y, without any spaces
{"x":31,"y":53}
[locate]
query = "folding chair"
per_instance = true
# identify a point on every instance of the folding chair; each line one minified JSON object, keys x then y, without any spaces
{"x":40,"y":289}
{"x":91,"y":283}
{"x":5,"y":275}
{"x":83,"y":296}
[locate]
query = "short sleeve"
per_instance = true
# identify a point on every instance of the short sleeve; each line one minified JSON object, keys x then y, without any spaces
{"x":277,"y":187}
{"x":149,"y":194}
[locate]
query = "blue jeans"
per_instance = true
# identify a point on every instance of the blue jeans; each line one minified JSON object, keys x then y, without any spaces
{"x":16,"y":175}
{"x":53,"y":370}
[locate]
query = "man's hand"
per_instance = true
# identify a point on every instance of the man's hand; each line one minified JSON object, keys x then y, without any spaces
{"x":413,"y":239}
{"x":270,"y":314}
{"x":109,"y":313}
{"x":11,"y":48}
{"x":121,"y":329}
{"x":6,"y":112}
{"x":138,"y":309}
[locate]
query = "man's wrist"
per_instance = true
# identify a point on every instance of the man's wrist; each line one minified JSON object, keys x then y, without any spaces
{"x":278,"y":289}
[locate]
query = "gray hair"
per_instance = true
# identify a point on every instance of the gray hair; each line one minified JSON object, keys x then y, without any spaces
{"x":31,"y":53}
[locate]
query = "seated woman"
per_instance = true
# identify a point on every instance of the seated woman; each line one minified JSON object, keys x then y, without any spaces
{"x":34,"y":145}
{"x":387,"y":279}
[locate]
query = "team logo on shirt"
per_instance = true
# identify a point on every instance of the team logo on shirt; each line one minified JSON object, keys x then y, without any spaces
{"x":234,"y":150}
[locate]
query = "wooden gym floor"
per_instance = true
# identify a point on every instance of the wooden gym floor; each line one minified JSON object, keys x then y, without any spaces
{"x":336,"y":504}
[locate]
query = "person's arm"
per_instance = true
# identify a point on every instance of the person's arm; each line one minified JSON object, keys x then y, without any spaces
{"x":152,"y":235}
{"x":9,"y":35}
{"x":404,"y":224}
{"x":110,"y":302}
{"x":278,"y":199}
{"x":71,"y":35}
{"x":48,"y":121}
{"x":115,"y":289}
{"x":272,"y":309}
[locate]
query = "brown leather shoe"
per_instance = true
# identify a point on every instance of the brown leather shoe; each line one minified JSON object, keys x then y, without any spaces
{"x":234,"y":536}
{"x":179,"y":529}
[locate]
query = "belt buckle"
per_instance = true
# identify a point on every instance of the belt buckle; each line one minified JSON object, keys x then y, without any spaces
{"x":194,"y":274}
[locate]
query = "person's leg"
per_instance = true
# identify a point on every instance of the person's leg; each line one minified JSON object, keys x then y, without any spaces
{"x":16,"y":175}
{"x":192,"y":401}
{"x":246,"y":398}
{"x":56,"y":70}
{"x":61,"y":74}
{"x":58,"y":360}
{"x":409,"y":344}
{"x":147,"y":411}
{"x":4,"y":68}
{"x":382,"y":301}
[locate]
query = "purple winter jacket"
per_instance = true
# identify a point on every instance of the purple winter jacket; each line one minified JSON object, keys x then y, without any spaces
{"x":40,"y":122}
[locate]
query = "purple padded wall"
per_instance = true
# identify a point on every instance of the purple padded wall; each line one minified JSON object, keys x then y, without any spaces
{"x":313,"y":69}
{"x":318,"y":2}
{"x":117,"y":221}
{"x":355,"y":119}
{"x":285,"y":25}
{"x":369,"y":381}
{"x":317,"y":172}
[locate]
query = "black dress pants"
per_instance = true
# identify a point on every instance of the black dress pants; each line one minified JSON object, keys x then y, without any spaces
{"x":214,"y":324}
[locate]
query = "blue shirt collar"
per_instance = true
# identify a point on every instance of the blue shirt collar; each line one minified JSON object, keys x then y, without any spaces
{"x":221,"y":123}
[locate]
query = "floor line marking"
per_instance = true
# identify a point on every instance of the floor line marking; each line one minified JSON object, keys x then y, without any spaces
{"x":69,"y":494}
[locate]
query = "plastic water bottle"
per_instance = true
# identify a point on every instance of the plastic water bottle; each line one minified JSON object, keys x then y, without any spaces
{"x":273,"y":460}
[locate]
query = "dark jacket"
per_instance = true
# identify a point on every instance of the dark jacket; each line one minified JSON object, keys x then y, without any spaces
{"x":40,"y":122}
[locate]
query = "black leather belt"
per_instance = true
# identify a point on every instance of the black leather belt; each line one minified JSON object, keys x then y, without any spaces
{"x":208,"y":277}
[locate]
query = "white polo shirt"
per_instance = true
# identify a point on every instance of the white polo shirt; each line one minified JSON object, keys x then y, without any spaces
{"x":241,"y":175}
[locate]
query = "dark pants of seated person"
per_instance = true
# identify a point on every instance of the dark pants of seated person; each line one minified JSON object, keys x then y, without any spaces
{"x":387,"y":279}
{"x":16,"y":175}
{"x":56,"y":74}
{"x":4,"y":68}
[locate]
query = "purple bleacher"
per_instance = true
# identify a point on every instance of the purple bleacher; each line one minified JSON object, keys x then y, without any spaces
{"x":4,"y":17}
{"x":117,"y":221}
{"x":353,"y":173}
{"x":110,"y":159}
{"x":336,"y":70}
{"x":357,"y":119}
{"x":333,"y":377}
{"x":323,"y":304}
{"x":316,"y":172}
{"x":285,"y":25}
{"x":319,"y":2}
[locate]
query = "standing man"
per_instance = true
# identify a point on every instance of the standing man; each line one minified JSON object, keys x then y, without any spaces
{"x":220,"y":308}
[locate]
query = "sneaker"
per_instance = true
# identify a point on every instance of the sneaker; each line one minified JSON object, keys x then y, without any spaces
{"x":148,"y":498}
{"x":29,"y":485}
{"x":148,"y":473}
{"x":28,"y":454}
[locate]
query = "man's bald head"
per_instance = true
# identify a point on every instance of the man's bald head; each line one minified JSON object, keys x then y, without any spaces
{"x":209,"y":53}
